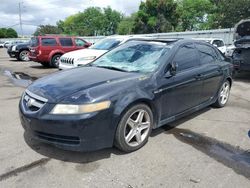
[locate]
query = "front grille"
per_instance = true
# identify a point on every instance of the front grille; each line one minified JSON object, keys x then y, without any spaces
{"x":70,"y":140}
{"x":67,"y":60}
{"x":32,"y":102}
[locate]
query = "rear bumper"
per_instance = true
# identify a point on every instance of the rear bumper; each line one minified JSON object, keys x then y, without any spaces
{"x":240,"y":66}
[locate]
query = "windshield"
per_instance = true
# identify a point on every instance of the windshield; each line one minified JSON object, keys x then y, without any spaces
{"x":106,"y":44}
{"x":34,"y":42}
{"x":134,"y":56}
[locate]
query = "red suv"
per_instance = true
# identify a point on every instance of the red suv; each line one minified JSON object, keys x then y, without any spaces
{"x":47,"y":50}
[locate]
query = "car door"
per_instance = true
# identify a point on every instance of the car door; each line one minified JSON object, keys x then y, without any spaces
{"x":211,"y":71}
{"x":66,"y":44}
{"x":183,"y":90}
{"x":47,"y":45}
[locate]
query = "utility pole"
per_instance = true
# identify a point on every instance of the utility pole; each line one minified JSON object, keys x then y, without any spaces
{"x":20,"y":18}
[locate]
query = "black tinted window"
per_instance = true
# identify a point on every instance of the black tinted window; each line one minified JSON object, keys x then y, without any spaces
{"x":207,"y":54}
{"x":48,"y":42}
{"x":66,"y":41}
{"x":186,"y":57}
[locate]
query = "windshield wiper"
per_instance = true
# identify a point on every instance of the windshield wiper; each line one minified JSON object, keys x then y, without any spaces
{"x":112,"y":68}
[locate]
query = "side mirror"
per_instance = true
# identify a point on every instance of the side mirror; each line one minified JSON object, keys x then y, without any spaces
{"x":173,"y":68}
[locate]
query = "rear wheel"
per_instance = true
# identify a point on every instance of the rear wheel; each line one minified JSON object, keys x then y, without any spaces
{"x":54,"y":62}
{"x":134,"y":128}
{"x":24,"y":55}
{"x":223,"y":95}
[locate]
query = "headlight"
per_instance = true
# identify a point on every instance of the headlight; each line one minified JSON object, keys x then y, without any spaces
{"x":80,"y":109}
{"x":86,"y":58}
{"x":13,"y":48}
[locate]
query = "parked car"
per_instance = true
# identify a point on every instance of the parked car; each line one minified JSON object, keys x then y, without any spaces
{"x":1,"y":44}
{"x":47,"y":50}
{"x":6,"y":44}
{"x":219,"y":43}
{"x":19,"y":51}
{"x":230,"y":50}
{"x":85,"y":56}
{"x":241,"y":54}
{"x":120,"y":97}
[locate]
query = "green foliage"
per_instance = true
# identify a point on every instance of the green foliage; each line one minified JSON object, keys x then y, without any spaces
{"x":8,"y":33}
{"x":47,"y":29}
{"x":93,"y":21}
{"x":230,"y":12}
{"x":126,"y":25}
{"x":194,"y":15}
{"x":156,"y":16}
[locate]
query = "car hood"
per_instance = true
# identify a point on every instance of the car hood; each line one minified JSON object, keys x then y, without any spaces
{"x":84,"y":53}
{"x":57,"y":86}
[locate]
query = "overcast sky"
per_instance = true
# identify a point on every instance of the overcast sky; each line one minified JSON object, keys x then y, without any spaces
{"x":38,"y":12}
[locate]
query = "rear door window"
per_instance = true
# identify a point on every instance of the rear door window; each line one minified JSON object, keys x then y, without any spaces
{"x":207,"y":54}
{"x":49,"y":42}
{"x":186,"y":57}
{"x":66,"y":41}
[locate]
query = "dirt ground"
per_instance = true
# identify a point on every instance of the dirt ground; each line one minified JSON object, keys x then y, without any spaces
{"x":210,"y":148}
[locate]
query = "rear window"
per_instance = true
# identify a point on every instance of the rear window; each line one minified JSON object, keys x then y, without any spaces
{"x":34,"y":42}
{"x":66,"y":41}
{"x":207,"y":54}
{"x":49,"y":42}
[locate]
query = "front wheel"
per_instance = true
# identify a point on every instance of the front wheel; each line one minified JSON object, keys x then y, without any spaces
{"x":134,"y":128}
{"x":223,"y":95}
{"x":54,"y":62}
{"x":23,"y":55}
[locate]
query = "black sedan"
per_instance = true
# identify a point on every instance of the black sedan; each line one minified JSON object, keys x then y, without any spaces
{"x":119,"y":98}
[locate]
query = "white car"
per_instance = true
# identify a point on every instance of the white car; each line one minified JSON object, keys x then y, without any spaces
{"x":219,"y":43}
{"x":85,"y":56}
{"x":230,"y":50}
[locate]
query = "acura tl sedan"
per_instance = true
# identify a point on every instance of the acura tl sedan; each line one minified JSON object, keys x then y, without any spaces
{"x":119,"y":98}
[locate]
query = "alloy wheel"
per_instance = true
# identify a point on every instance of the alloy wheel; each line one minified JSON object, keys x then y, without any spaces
{"x":137,"y":128}
{"x":24,"y":55}
{"x":224,"y":93}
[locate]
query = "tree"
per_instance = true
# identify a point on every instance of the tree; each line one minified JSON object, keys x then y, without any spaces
{"x":8,"y":33}
{"x":156,"y":16}
{"x":194,"y":15}
{"x":229,"y":12}
{"x":92,"y":21}
{"x":47,"y":29}
{"x":126,"y":26}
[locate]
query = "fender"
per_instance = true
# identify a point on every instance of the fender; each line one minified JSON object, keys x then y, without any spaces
{"x":53,"y":52}
{"x":137,"y":96}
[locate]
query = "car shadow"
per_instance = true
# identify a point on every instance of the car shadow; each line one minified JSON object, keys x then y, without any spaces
{"x":41,"y":67}
{"x":69,"y":156}
{"x":242,"y":77}
{"x":174,"y":124}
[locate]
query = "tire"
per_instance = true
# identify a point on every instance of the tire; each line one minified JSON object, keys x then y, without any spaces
{"x":23,"y":55}
{"x":54,"y":62}
{"x":223,"y":95}
{"x":134,"y":135}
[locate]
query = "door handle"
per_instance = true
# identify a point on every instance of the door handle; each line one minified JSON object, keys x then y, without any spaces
{"x":199,"y":76}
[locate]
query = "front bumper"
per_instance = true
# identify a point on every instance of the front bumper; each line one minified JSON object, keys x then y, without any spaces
{"x":63,"y":66}
{"x":12,"y":54}
{"x":87,"y":132}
